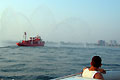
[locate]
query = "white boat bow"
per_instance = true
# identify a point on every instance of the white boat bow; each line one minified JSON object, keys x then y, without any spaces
{"x":110,"y":75}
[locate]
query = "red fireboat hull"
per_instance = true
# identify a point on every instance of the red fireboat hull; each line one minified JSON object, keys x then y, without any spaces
{"x":22,"y":44}
{"x":33,"y":41}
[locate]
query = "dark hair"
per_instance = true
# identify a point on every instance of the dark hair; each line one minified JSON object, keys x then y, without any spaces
{"x":96,"y":61}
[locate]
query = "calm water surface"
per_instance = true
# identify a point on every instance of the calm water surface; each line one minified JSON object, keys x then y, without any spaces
{"x":44,"y":63}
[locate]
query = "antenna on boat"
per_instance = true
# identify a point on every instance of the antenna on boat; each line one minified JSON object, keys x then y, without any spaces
{"x":25,"y":35}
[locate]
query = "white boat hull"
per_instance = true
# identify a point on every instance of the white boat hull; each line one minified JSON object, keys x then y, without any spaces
{"x":110,"y":75}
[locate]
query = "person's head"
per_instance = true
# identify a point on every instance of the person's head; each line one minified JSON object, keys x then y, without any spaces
{"x":96,"y":61}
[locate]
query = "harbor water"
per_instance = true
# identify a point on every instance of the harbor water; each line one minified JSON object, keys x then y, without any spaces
{"x":48,"y":62}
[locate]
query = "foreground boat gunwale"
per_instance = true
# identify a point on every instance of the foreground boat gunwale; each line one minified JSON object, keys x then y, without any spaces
{"x":110,"y":75}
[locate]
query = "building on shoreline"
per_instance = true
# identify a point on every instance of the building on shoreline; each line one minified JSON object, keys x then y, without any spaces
{"x":101,"y":43}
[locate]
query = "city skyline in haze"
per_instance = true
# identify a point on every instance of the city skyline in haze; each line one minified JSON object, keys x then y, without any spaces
{"x":60,"y":20}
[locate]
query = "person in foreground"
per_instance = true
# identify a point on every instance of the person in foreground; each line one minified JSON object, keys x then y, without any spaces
{"x":94,"y":71}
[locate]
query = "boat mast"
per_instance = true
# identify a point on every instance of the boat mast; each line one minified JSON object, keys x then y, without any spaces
{"x":25,"y":35}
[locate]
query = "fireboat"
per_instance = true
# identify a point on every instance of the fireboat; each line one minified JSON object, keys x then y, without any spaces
{"x":33,"y":41}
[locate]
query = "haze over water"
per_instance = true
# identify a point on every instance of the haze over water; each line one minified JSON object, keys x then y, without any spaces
{"x":70,"y":21}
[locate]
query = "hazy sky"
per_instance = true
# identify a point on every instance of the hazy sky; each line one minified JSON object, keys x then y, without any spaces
{"x":60,"y":20}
